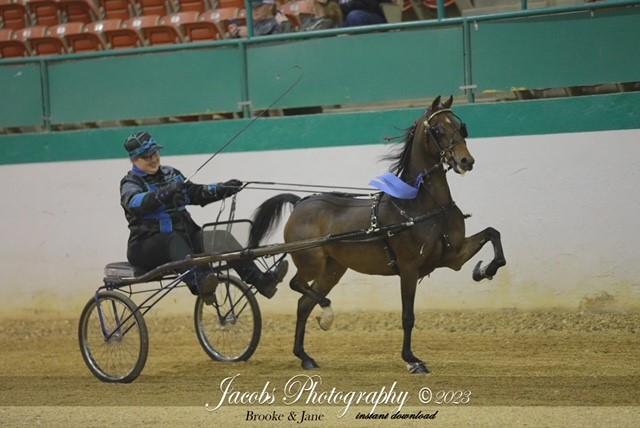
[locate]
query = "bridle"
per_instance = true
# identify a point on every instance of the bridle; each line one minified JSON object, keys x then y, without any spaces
{"x":436,"y":133}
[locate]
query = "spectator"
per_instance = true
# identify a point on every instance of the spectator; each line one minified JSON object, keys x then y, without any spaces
{"x":327,"y":14}
{"x":267,"y":19}
{"x":362,"y":12}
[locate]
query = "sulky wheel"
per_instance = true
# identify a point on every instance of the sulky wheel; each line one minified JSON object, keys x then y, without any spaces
{"x":229,"y":329}
{"x":113,"y":337}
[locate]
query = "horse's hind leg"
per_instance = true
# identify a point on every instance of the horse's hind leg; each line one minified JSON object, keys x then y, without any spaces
{"x":470,"y":248}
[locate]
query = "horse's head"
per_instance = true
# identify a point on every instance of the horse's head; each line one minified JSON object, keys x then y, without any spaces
{"x":445,"y":136}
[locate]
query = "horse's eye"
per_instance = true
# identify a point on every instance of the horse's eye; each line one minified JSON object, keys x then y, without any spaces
{"x":435,"y":131}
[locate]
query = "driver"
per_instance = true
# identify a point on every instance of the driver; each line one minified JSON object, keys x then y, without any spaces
{"x":154,"y":199}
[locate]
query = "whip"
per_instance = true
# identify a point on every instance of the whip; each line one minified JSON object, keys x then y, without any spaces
{"x":252,"y":121}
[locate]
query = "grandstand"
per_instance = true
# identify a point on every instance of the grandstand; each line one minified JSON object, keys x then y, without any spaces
{"x":84,"y":64}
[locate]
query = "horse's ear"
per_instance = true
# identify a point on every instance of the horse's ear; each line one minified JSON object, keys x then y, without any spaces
{"x":435,"y":104}
{"x":448,"y":103}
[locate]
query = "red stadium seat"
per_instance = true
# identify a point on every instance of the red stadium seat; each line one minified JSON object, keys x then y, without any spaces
{"x":223,"y":17}
{"x":222,"y":4}
{"x":14,"y":14}
{"x":10,"y":47}
{"x":194,"y":28}
{"x":41,"y":40}
{"x":156,"y":7}
{"x":297,"y":11}
{"x":116,"y":36}
{"x":79,"y":39}
{"x":193,"y":5}
{"x":154,"y":30}
{"x":44,"y":12}
{"x":433,"y":4}
{"x":84,"y":11}
{"x":118,"y":9}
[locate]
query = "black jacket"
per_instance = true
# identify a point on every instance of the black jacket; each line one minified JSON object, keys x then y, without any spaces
{"x":147,"y":216}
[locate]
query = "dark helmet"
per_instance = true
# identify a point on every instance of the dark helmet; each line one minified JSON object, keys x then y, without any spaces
{"x":141,"y":144}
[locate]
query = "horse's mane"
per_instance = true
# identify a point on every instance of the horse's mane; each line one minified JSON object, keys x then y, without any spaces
{"x":400,"y":152}
{"x":399,"y":156}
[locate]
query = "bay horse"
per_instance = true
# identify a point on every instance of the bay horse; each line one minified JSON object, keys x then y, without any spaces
{"x":405,"y":237}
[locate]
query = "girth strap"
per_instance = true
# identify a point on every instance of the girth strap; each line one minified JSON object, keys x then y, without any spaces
{"x":391,"y":256}
{"x":387,"y":231}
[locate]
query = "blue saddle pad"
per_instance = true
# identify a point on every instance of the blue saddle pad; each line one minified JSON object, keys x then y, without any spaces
{"x":389,"y":183}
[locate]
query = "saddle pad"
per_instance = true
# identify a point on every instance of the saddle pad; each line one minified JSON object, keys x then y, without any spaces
{"x":389,"y":183}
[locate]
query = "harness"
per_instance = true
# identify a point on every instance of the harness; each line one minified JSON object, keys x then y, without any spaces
{"x":435,"y":132}
{"x":388,"y":231}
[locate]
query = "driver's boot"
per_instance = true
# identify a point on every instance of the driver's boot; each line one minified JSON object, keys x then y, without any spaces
{"x":202,"y":283}
{"x":265,"y":282}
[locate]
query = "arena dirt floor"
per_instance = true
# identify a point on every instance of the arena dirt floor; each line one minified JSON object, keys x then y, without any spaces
{"x":505,"y":368}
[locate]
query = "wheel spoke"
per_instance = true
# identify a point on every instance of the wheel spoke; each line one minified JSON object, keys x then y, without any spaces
{"x":226,"y":330}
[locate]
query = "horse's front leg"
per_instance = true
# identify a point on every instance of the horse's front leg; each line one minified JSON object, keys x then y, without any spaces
{"x":312,"y":296}
{"x":305,"y":306}
{"x":470,"y":248}
{"x":408,"y":293}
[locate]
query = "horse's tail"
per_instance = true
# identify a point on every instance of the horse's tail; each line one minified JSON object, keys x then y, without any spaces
{"x":266,"y":216}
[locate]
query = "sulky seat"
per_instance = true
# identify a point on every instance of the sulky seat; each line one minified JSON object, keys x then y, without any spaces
{"x":123,"y":270}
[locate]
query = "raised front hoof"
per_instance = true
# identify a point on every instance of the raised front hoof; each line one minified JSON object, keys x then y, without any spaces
{"x":419,"y":367}
{"x":309,"y":365}
{"x":480,"y":273}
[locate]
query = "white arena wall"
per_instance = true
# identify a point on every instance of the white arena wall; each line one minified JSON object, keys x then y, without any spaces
{"x":566,"y":204}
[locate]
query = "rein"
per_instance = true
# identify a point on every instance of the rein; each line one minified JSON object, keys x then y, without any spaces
{"x":305,"y":188}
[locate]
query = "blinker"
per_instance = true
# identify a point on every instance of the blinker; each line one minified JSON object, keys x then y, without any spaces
{"x":463,"y":130}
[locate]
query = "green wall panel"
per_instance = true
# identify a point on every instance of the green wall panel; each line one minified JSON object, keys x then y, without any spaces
{"x":372,"y":64}
{"x":484,"y":120}
{"x":162,"y":84}
{"x":566,"y":50}
{"x":360,"y":68}
{"x":21,"y":95}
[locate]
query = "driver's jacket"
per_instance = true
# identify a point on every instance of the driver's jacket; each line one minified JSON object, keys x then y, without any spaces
{"x":147,"y":216}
